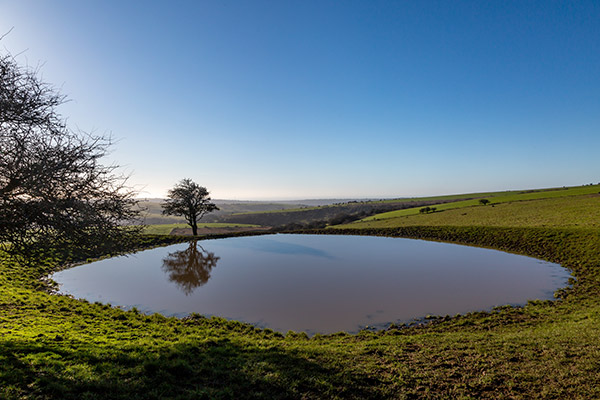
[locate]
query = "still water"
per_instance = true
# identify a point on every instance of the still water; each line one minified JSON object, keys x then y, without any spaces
{"x":314,"y":283}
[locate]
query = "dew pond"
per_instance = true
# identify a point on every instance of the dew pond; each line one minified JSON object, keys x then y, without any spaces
{"x":314,"y":283}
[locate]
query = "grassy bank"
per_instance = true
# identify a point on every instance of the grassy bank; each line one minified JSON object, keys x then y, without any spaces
{"x":165,"y":229}
{"x":58,"y":347}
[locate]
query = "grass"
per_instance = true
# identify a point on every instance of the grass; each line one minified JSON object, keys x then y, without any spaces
{"x":457,"y":200}
{"x":573,"y":211}
{"x":153,"y":210}
{"x":496,"y":198}
{"x":165,"y":229}
{"x":59,"y":347}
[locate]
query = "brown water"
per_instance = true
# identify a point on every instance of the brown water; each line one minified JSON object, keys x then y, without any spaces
{"x":314,"y":283}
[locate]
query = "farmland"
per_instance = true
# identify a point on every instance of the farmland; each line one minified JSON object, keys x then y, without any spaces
{"x":566,"y":194}
{"x":572,"y":211}
{"x":165,"y":229}
{"x":153,"y":210}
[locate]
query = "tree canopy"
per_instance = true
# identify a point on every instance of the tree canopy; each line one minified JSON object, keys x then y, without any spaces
{"x":190,"y":200}
{"x":54,"y":190}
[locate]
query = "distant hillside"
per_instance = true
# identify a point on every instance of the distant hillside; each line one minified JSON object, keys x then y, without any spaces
{"x":574,"y":207}
{"x":227,"y":207}
{"x":318,"y":213}
{"x":342,"y":213}
{"x":326,"y":202}
{"x":318,"y":217}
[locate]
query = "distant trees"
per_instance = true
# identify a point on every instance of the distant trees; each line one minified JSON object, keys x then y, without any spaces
{"x":190,"y":200}
{"x":426,"y":210}
{"x":54,"y":191}
{"x":484,"y":202}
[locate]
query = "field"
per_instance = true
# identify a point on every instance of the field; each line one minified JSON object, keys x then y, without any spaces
{"x":497,"y":198}
{"x":573,"y":211}
{"x":165,"y":229}
{"x":58,"y":347}
{"x":318,"y":217}
{"x":153,"y":210}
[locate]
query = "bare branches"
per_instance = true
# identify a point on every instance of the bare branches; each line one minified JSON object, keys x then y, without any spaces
{"x":7,"y":33}
{"x":54,"y":189}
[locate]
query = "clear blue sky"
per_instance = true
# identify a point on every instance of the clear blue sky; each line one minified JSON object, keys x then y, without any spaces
{"x":314,"y":99}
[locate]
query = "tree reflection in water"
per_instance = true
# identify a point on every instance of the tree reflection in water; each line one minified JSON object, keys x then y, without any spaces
{"x":190,"y":268}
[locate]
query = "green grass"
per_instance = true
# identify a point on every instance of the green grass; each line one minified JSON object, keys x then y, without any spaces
{"x":495,"y":198}
{"x":455,"y":199}
{"x":58,"y":347}
{"x":536,"y":193}
{"x":574,"y":211}
{"x":165,"y":229}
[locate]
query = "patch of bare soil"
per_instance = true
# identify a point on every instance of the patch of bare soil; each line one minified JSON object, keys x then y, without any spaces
{"x":217,"y":231}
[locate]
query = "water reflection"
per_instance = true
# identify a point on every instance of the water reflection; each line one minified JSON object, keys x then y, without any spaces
{"x":190,"y":268}
{"x":280,"y":247}
{"x":314,"y":283}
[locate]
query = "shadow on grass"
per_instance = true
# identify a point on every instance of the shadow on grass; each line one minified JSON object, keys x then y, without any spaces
{"x":213,"y":369}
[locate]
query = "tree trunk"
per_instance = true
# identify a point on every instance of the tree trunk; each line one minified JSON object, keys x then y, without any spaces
{"x":195,"y":229}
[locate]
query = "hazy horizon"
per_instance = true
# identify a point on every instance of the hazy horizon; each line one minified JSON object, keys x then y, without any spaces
{"x":299,"y":200}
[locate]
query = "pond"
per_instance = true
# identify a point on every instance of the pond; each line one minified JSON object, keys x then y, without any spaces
{"x":314,"y":283}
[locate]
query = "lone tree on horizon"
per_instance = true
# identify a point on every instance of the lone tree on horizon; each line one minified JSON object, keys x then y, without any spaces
{"x":190,"y":200}
{"x":54,"y":191}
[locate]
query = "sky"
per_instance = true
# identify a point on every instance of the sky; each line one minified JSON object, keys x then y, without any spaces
{"x":268,"y":100}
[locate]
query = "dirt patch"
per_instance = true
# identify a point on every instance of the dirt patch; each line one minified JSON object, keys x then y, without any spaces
{"x":217,"y":231}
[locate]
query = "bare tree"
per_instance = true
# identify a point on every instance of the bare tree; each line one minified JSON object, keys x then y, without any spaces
{"x":54,"y":191}
{"x":190,"y":200}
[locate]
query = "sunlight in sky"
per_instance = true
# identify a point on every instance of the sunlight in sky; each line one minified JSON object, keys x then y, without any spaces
{"x":321,"y":99}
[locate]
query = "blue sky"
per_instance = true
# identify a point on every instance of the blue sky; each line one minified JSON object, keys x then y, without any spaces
{"x":320,"y":99}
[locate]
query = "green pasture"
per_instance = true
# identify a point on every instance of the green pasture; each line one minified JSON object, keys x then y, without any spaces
{"x":495,"y":198}
{"x":397,"y":200}
{"x":453,"y":201}
{"x":165,"y":229}
{"x":57,"y":347}
{"x":574,"y":211}
{"x":536,"y":193}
